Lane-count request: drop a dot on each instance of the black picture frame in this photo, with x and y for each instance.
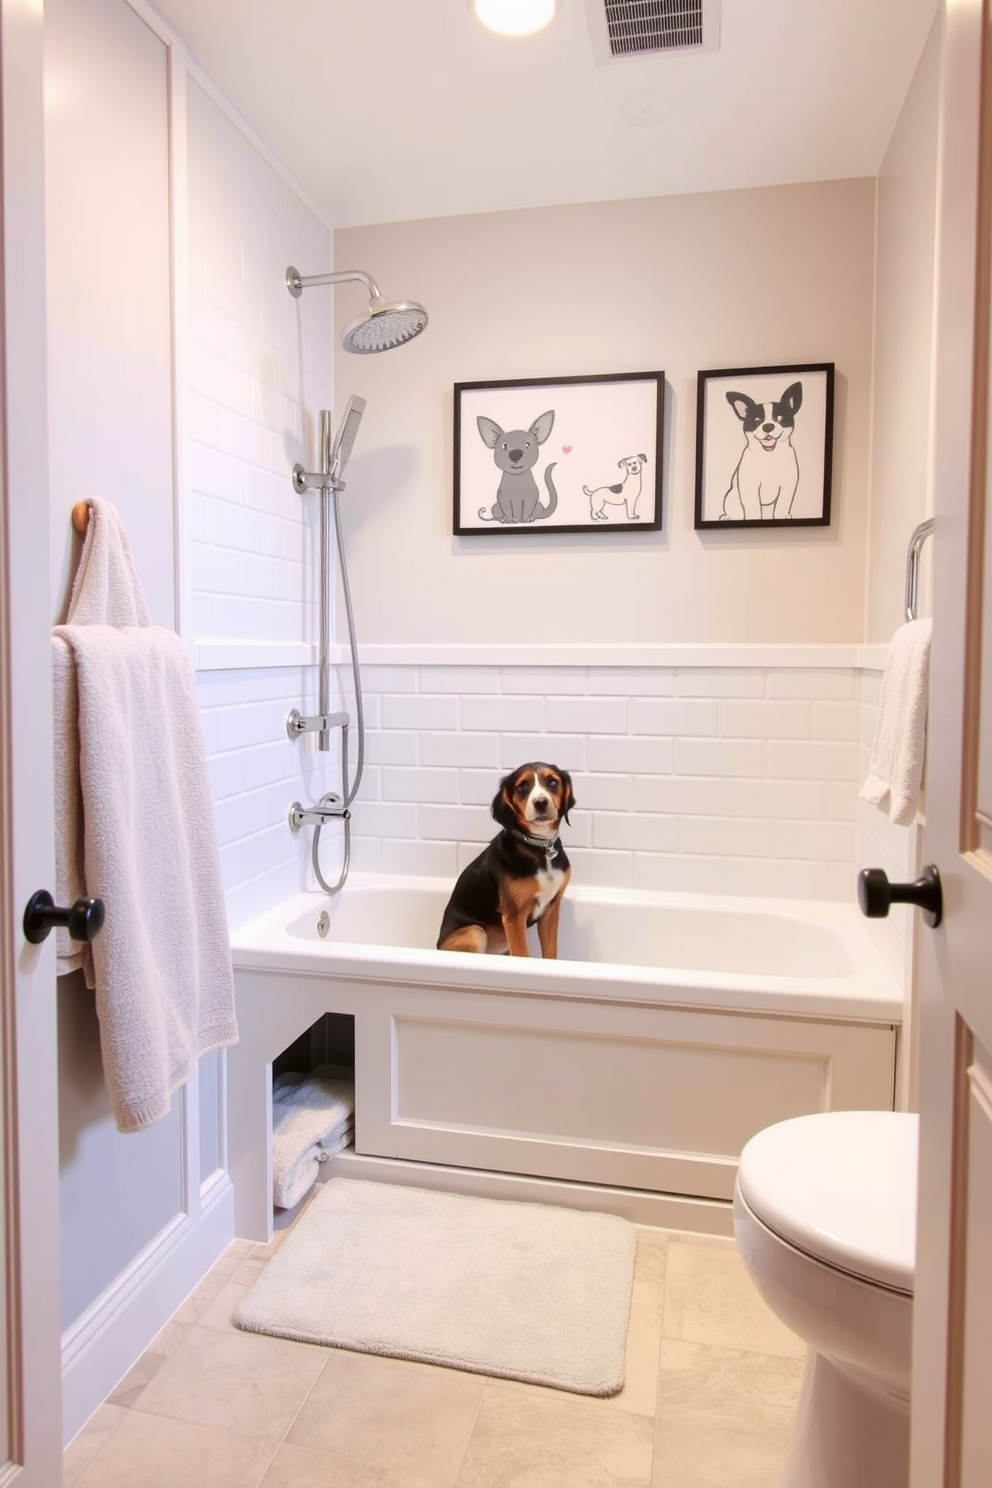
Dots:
(745, 481)
(601, 435)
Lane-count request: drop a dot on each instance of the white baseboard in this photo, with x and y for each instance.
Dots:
(103, 1344)
(666, 1211)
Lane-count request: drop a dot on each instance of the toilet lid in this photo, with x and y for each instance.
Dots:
(840, 1186)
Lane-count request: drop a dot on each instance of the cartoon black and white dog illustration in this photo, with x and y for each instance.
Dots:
(763, 486)
(624, 494)
(516, 452)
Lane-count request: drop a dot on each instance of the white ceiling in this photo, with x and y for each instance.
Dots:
(386, 110)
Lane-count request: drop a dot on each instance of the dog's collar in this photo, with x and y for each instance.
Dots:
(547, 845)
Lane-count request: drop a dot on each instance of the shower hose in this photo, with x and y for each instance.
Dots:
(348, 792)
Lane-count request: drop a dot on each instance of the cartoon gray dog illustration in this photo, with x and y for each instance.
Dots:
(516, 452)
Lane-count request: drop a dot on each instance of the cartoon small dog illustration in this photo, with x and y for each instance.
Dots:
(516, 452)
(625, 494)
(764, 483)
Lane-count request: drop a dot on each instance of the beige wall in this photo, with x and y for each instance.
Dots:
(730, 279)
(109, 327)
(900, 488)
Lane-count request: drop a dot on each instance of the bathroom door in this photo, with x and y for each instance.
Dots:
(30, 1375)
(952, 1358)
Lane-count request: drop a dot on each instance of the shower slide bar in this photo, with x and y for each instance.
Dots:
(334, 455)
(328, 482)
(919, 537)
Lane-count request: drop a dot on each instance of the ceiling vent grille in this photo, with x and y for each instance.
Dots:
(645, 28)
(653, 25)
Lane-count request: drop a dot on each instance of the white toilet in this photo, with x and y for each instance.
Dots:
(825, 1219)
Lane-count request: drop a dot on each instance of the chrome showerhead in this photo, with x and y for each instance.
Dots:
(385, 325)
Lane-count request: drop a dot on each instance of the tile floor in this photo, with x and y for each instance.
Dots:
(712, 1381)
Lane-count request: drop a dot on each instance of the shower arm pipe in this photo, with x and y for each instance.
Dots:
(296, 283)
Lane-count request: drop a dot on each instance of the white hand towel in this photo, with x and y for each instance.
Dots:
(312, 1117)
(895, 773)
(105, 591)
(162, 962)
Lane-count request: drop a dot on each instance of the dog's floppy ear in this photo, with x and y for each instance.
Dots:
(741, 404)
(541, 427)
(644, 458)
(793, 398)
(490, 431)
(501, 809)
(567, 794)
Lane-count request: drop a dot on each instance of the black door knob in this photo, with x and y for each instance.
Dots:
(875, 894)
(83, 920)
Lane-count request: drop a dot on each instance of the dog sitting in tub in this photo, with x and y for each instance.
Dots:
(519, 879)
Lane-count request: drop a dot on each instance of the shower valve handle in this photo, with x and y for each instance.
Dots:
(297, 724)
(328, 808)
(876, 894)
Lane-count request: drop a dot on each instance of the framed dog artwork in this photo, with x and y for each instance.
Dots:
(764, 443)
(566, 454)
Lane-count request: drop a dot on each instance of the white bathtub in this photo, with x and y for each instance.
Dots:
(693, 950)
(628, 1073)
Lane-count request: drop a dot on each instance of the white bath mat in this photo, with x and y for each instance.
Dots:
(516, 1291)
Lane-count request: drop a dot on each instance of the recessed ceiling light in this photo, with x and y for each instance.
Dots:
(515, 17)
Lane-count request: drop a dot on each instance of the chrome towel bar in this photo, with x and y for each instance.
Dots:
(919, 537)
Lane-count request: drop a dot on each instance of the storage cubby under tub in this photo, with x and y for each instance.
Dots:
(625, 1076)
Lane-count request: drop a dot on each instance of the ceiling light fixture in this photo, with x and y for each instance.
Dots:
(515, 17)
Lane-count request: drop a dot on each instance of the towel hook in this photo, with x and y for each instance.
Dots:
(81, 517)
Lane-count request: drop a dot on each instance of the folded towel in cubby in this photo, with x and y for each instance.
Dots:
(300, 1178)
(312, 1118)
(337, 1139)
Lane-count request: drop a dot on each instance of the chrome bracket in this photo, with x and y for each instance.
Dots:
(297, 724)
(314, 480)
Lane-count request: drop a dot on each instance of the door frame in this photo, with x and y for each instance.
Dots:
(29, 1150)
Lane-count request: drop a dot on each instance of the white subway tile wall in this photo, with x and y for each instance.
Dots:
(256, 774)
(672, 808)
(257, 360)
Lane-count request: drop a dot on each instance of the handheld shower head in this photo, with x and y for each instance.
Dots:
(385, 325)
(338, 450)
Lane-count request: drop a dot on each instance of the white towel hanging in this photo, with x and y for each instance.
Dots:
(142, 833)
(895, 773)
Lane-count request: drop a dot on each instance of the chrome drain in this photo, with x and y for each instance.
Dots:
(323, 923)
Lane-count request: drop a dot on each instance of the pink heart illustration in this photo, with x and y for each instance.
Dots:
(566, 449)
